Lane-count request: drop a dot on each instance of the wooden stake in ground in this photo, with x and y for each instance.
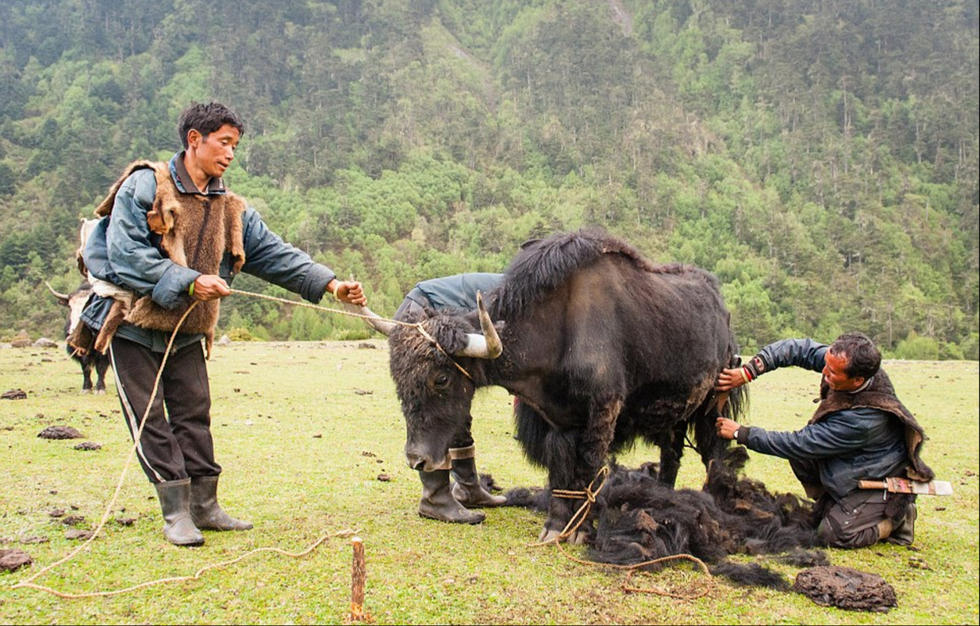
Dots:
(358, 574)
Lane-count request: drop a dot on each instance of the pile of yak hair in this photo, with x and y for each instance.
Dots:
(640, 519)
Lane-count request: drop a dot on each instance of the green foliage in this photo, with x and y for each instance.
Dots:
(238, 333)
(917, 348)
(821, 158)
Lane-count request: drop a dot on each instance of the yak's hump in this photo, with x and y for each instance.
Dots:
(543, 265)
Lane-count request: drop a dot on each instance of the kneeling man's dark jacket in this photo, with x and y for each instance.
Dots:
(864, 434)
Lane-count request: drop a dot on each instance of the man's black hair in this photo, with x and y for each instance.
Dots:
(863, 358)
(207, 118)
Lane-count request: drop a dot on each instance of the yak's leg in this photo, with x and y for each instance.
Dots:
(590, 455)
(671, 452)
(101, 366)
(87, 376)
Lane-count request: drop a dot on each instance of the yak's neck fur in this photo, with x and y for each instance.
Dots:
(544, 265)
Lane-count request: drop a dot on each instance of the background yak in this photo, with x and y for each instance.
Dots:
(600, 346)
(89, 359)
(78, 337)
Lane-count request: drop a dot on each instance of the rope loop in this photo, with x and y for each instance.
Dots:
(28, 583)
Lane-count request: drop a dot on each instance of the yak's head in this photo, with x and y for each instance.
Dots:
(431, 364)
(75, 302)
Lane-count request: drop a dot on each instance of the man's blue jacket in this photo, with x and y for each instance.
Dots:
(122, 250)
(848, 445)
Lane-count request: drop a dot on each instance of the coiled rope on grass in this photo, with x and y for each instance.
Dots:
(29, 581)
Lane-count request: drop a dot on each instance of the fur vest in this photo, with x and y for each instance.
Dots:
(879, 395)
(195, 231)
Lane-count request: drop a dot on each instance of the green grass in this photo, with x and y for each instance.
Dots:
(295, 433)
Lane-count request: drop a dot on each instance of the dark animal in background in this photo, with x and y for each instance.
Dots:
(79, 338)
(88, 358)
(600, 346)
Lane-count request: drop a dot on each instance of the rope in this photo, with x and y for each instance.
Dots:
(309, 305)
(583, 511)
(589, 494)
(176, 579)
(129, 458)
(434, 342)
(28, 582)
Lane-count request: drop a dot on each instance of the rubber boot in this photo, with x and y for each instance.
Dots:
(904, 531)
(175, 500)
(205, 510)
(885, 528)
(438, 502)
(468, 491)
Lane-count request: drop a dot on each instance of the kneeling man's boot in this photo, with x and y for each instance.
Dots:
(468, 490)
(205, 510)
(438, 502)
(904, 531)
(175, 501)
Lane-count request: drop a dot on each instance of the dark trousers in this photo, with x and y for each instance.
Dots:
(852, 521)
(176, 439)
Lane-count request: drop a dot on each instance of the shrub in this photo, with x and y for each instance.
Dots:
(240, 334)
(917, 348)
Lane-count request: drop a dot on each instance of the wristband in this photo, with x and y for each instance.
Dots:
(755, 367)
(190, 290)
(735, 434)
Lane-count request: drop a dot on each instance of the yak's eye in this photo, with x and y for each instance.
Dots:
(441, 381)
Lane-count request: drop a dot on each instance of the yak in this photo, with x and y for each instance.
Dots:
(599, 345)
(79, 339)
(88, 358)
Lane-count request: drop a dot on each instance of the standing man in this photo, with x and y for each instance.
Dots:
(859, 431)
(438, 500)
(173, 235)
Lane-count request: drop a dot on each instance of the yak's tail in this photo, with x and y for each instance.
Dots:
(731, 404)
(737, 405)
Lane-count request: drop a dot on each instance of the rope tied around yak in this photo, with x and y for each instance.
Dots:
(589, 494)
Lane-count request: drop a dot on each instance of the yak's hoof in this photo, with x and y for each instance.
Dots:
(100, 392)
(577, 538)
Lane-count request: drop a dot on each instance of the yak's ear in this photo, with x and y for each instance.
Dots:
(449, 332)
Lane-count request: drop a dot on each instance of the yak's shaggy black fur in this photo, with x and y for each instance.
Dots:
(641, 519)
(602, 347)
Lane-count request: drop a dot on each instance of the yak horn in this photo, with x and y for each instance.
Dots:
(487, 345)
(372, 319)
(60, 296)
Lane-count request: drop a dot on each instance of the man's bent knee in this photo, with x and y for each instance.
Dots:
(835, 535)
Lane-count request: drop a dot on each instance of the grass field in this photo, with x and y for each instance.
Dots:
(303, 431)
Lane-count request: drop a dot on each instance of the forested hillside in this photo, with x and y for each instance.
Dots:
(819, 156)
